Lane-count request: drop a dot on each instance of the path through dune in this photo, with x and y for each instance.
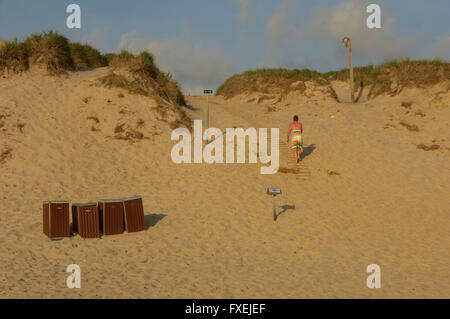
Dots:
(363, 194)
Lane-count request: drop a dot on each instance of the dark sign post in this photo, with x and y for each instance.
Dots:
(274, 192)
(207, 93)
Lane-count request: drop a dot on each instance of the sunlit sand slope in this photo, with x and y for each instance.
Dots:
(371, 189)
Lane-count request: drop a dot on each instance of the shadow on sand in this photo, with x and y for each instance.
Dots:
(307, 150)
(84, 69)
(190, 107)
(360, 92)
(152, 219)
(285, 208)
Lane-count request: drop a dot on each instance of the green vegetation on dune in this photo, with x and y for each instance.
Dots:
(266, 80)
(408, 73)
(13, 56)
(86, 56)
(57, 55)
(138, 74)
(295, 74)
(404, 73)
(51, 50)
(48, 49)
(361, 73)
(119, 81)
(108, 57)
(147, 79)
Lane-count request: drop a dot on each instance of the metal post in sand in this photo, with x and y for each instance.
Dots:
(274, 192)
(207, 92)
(207, 115)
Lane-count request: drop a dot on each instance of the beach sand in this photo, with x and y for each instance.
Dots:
(363, 194)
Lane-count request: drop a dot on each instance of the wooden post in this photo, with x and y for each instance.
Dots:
(348, 44)
(207, 112)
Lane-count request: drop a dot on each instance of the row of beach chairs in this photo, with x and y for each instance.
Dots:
(91, 219)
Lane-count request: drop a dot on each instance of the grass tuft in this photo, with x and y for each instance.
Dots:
(410, 127)
(119, 81)
(428, 148)
(268, 81)
(50, 49)
(5, 155)
(143, 77)
(14, 57)
(86, 56)
(147, 76)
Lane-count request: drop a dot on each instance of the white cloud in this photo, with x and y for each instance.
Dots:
(442, 47)
(349, 19)
(331, 24)
(193, 65)
(132, 41)
(277, 25)
(97, 37)
(246, 8)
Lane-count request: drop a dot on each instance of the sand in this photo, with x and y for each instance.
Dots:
(363, 194)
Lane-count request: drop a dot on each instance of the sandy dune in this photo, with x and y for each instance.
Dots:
(363, 194)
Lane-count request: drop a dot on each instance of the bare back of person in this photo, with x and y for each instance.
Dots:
(295, 126)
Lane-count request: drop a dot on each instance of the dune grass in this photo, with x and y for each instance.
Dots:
(13, 56)
(86, 56)
(404, 73)
(108, 57)
(50, 49)
(147, 78)
(5, 155)
(57, 55)
(119, 81)
(143, 77)
(267, 81)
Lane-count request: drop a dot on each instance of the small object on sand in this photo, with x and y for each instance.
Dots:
(274, 192)
(56, 223)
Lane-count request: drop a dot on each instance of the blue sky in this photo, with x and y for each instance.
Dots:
(201, 42)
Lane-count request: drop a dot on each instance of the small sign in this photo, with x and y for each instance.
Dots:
(274, 191)
(207, 91)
